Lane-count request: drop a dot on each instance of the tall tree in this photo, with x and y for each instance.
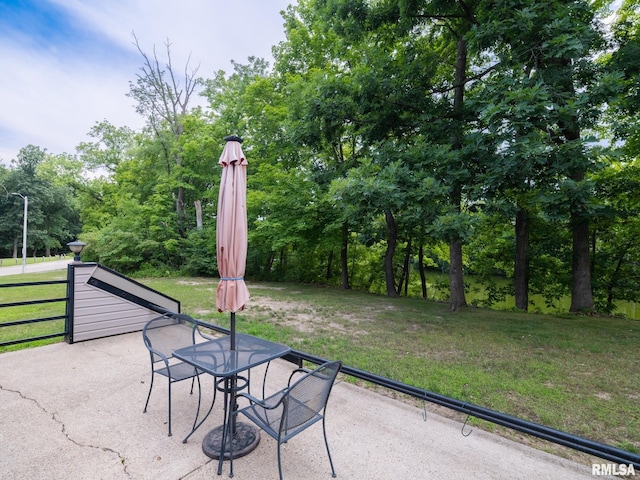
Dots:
(164, 100)
(548, 49)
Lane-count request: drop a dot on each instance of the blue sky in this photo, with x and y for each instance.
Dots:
(67, 64)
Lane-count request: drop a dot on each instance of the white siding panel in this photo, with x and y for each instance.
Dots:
(99, 314)
(133, 288)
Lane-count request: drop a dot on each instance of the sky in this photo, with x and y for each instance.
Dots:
(66, 64)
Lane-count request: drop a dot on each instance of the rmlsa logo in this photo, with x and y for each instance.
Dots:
(612, 469)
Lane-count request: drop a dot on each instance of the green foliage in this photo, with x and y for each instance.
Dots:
(200, 254)
(51, 213)
(616, 234)
(368, 140)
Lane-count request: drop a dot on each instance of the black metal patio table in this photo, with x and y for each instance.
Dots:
(216, 358)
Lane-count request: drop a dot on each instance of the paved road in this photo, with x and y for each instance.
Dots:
(36, 267)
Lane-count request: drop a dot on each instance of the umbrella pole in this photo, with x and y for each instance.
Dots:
(234, 380)
(233, 331)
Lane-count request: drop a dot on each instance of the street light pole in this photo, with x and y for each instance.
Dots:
(24, 230)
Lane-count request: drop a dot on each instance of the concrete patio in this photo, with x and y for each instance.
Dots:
(74, 412)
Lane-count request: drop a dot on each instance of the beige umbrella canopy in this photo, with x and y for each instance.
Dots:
(231, 232)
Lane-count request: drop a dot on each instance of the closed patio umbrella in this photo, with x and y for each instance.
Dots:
(232, 292)
(231, 232)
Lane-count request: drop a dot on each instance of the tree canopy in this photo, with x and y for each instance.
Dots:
(493, 138)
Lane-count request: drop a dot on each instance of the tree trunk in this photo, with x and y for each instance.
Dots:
(392, 240)
(344, 258)
(423, 277)
(198, 205)
(613, 279)
(180, 212)
(283, 261)
(406, 270)
(581, 294)
(521, 267)
(329, 265)
(269, 265)
(456, 279)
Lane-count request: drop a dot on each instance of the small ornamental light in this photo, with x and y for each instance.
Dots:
(76, 247)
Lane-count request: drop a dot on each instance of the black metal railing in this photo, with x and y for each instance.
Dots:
(17, 323)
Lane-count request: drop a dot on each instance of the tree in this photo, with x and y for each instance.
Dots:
(111, 147)
(614, 245)
(547, 49)
(164, 100)
(615, 240)
(52, 216)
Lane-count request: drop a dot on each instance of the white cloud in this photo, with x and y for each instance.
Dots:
(52, 96)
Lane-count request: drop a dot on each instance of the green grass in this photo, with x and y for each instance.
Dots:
(578, 374)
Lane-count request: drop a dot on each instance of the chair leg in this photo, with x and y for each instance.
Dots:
(264, 380)
(149, 394)
(199, 397)
(170, 406)
(196, 425)
(279, 461)
(326, 443)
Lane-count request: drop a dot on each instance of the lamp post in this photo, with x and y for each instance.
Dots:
(76, 247)
(24, 230)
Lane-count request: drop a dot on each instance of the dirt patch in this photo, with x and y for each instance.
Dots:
(198, 313)
(302, 316)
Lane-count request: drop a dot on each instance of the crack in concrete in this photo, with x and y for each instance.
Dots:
(63, 429)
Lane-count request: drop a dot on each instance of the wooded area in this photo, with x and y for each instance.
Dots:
(492, 138)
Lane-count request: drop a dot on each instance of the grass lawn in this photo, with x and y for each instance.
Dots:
(578, 374)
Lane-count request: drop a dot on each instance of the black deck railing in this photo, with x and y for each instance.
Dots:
(35, 320)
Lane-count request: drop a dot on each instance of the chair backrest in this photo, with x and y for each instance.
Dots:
(168, 333)
(307, 397)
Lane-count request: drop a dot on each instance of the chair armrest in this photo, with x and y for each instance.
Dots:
(262, 403)
(159, 353)
(204, 335)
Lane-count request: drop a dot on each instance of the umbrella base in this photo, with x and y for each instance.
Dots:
(245, 441)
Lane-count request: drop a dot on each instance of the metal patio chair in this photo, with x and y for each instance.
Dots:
(290, 411)
(162, 336)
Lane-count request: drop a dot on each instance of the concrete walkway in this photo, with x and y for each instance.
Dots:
(36, 267)
(74, 412)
